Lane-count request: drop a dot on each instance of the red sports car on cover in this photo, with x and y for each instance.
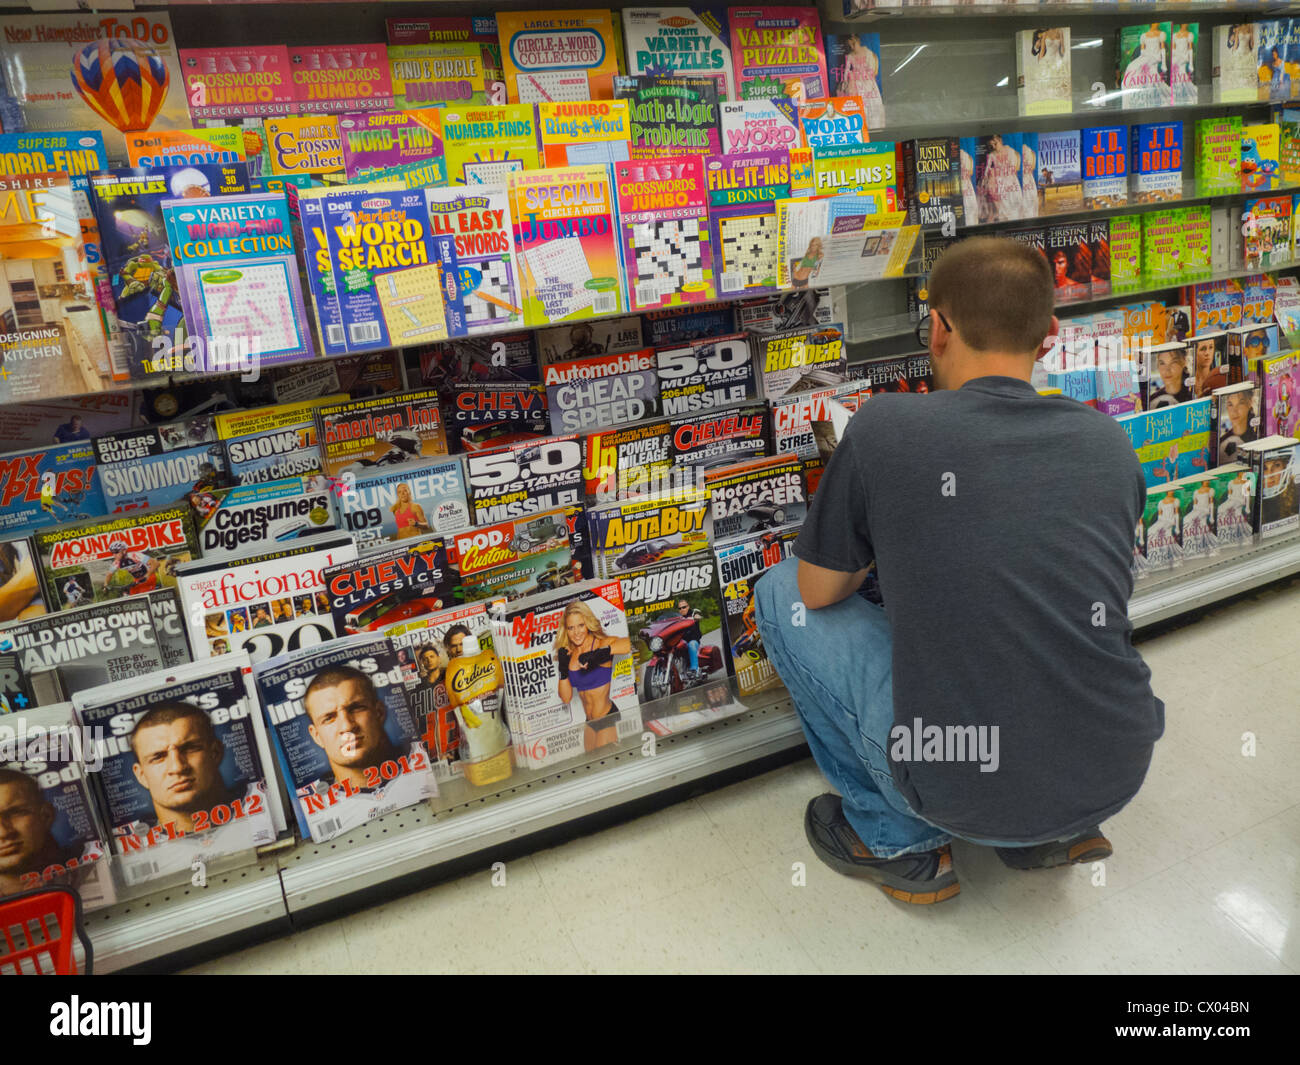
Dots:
(389, 610)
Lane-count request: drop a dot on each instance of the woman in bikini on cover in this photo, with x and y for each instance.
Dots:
(586, 659)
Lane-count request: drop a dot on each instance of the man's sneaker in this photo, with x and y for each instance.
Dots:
(1089, 846)
(922, 878)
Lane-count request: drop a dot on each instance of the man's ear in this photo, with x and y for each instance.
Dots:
(1049, 341)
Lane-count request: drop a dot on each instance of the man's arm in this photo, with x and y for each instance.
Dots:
(821, 587)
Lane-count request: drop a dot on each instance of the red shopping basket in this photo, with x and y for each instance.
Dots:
(37, 929)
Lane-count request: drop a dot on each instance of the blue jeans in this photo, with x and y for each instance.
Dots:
(838, 668)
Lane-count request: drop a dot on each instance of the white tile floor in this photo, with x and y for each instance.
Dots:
(1205, 877)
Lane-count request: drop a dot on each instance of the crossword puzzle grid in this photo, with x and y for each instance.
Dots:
(259, 304)
(412, 304)
(748, 251)
(496, 282)
(668, 254)
(561, 265)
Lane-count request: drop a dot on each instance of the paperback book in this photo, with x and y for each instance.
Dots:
(1043, 71)
(932, 182)
(1142, 65)
(1060, 173)
(853, 65)
(1235, 74)
(1234, 420)
(1104, 167)
(1157, 162)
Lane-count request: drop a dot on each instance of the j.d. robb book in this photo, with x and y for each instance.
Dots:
(265, 603)
(388, 267)
(743, 189)
(742, 562)
(557, 55)
(394, 505)
(232, 803)
(748, 497)
(403, 146)
(477, 218)
(239, 281)
(363, 436)
(334, 79)
(718, 436)
(622, 463)
(664, 222)
(185, 147)
(1104, 151)
(484, 145)
(51, 335)
(268, 443)
(777, 52)
(440, 74)
(1043, 71)
(516, 558)
(1157, 162)
(706, 374)
(338, 778)
(239, 82)
(601, 390)
(584, 132)
(671, 115)
(524, 477)
(679, 40)
(568, 238)
(90, 561)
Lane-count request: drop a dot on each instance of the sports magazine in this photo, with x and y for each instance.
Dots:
(107, 558)
(264, 605)
(650, 529)
(412, 501)
(270, 443)
(349, 746)
(41, 767)
(163, 813)
(750, 497)
(160, 464)
(48, 485)
(250, 518)
(391, 584)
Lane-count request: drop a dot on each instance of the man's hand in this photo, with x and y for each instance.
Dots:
(820, 587)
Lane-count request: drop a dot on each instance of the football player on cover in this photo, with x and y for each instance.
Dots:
(27, 843)
(996, 696)
(178, 762)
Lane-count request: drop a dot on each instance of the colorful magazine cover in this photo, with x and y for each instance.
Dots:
(741, 563)
(269, 443)
(240, 82)
(674, 620)
(756, 495)
(680, 40)
(487, 270)
(794, 417)
(403, 146)
(262, 516)
(41, 771)
(485, 145)
(706, 374)
(334, 79)
(527, 476)
(743, 190)
(799, 360)
(664, 220)
(417, 500)
(758, 125)
(624, 462)
(1280, 382)
(601, 390)
(647, 529)
(717, 437)
(481, 29)
(482, 414)
(670, 115)
(437, 74)
(777, 52)
(154, 150)
(20, 578)
(229, 801)
(159, 464)
(265, 603)
(364, 436)
(557, 55)
(512, 559)
(47, 486)
(853, 64)
(392, 584)
(304, 147)
(97, 72)
(91, 561)
(568, 243)
(584, 132)
(349, 746)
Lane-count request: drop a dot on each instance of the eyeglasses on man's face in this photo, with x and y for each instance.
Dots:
(923, 326)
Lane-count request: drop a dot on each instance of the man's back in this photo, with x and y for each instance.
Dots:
(1001, 523)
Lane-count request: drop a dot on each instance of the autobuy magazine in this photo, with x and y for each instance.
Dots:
(164, 812)
(649, 529)
(350, 749)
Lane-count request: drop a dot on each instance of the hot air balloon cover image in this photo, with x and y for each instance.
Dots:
(115, 75)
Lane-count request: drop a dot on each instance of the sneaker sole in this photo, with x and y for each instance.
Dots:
(893, 886)
(1093, 849)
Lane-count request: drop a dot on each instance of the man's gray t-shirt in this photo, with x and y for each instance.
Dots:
(1001, 523)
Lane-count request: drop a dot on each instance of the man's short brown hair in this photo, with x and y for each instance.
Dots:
(997, 293)
(170, 710)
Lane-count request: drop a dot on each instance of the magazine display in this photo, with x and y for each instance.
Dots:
(349, 746)
(483, 414)
(66, 846)
(60, 654)
(799, 360)
(601, 390)
(751, 497)
(264, 604)
(271, 443)
(162, 813)
(629, 461)
(741, 563)
(516, 558)
(568, 671)
(91, 561)
(391, 584)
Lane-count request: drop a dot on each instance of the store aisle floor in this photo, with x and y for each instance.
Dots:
(1205, 877)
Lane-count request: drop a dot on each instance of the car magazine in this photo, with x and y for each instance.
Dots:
(650, 529)
(515, 558)
(392, 583)
(754, 496)
(522, 478)
(741, 562)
